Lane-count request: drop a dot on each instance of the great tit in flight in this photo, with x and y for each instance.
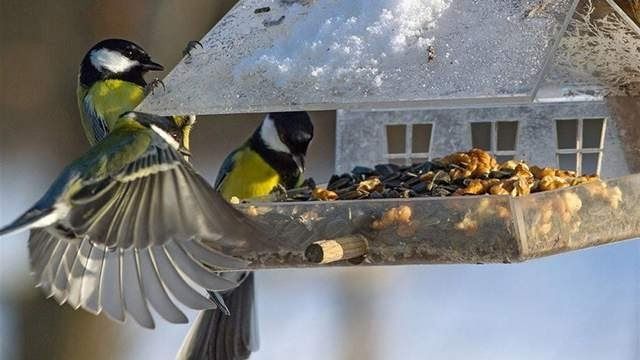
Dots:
(130, 222)
(110, 83)
(272, 157)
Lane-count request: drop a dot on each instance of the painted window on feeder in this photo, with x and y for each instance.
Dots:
(580, 144)
(498, 137)
(408, 144)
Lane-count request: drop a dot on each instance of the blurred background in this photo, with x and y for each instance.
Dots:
(585, 305)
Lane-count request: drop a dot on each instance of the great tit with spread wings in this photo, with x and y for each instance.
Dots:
(272, 157)
(110, 83)
(131, 222)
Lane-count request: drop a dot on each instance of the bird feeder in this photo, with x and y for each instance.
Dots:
(288, 55)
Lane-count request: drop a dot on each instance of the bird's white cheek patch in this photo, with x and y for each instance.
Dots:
(269, 135)
(112, 61)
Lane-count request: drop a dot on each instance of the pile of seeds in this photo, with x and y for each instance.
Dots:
(474, 172)
(550, 221)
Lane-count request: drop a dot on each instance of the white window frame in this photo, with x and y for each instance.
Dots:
(408, 143)
(578, 151)
(494, 137)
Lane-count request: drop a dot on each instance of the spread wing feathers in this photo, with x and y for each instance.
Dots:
(139, 237)
(158, 198)
(122, 281)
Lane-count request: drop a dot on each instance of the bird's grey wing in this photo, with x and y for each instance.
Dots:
(154, 232)
(159, 198)
(225, 168)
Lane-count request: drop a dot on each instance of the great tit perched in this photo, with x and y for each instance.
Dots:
(131, 222)
(272, 157)
(110, 83)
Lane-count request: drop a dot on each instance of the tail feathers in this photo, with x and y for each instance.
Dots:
(216, 336)
(33, 218)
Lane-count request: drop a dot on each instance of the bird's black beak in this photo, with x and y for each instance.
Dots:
(299, 160)
(152, 66)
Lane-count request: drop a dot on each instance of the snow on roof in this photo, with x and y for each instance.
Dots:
(349, 44)
(326, 54)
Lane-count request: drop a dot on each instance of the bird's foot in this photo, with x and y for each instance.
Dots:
(185, 152)
(65, 232)
(191, 45)
(151, 87)
(279, 193)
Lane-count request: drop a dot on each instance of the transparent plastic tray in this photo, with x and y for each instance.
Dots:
(601, 214)
(465, 229)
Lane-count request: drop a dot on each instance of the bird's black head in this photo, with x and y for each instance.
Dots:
(282, 140)
(289, 132)
(116, 59)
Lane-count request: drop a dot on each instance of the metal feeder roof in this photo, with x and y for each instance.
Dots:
(324, 54)
(284, 55)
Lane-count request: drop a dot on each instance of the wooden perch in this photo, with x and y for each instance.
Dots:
(343, 248)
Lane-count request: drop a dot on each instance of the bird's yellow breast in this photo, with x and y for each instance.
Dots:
(111, 98)
(250, 176)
